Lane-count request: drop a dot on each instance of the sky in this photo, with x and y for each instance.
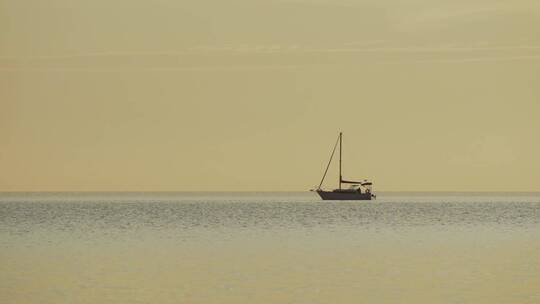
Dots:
(250, 95)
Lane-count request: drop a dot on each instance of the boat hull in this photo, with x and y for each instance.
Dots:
(344, 196)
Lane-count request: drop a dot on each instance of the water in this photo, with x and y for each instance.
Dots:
(269, 248)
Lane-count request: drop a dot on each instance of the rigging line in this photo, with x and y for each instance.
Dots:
(328, 166)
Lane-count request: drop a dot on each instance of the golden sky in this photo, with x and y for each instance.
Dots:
(251, 94)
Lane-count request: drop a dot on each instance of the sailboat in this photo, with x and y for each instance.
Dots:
(356, 191)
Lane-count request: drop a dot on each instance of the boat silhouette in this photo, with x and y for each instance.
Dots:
(357, 190)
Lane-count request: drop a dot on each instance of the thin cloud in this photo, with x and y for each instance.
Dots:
(464, 60)
(21, 63)
(285, 49)
(158, 69)
(265, 67)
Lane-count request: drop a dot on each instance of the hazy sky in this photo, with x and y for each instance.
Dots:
(251, 94)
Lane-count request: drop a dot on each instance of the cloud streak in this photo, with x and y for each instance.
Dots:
(267, 57)
(264, 67)
(264, 49)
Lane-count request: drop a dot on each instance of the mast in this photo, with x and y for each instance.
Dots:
(340, 140)
(328, 165)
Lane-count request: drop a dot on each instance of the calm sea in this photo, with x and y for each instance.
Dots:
(269, 248)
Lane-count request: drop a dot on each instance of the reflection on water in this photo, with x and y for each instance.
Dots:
(269, 248)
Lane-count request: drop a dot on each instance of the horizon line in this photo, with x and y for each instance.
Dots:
(258, 191)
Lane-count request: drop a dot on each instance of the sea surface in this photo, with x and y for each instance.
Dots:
(269, 248)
